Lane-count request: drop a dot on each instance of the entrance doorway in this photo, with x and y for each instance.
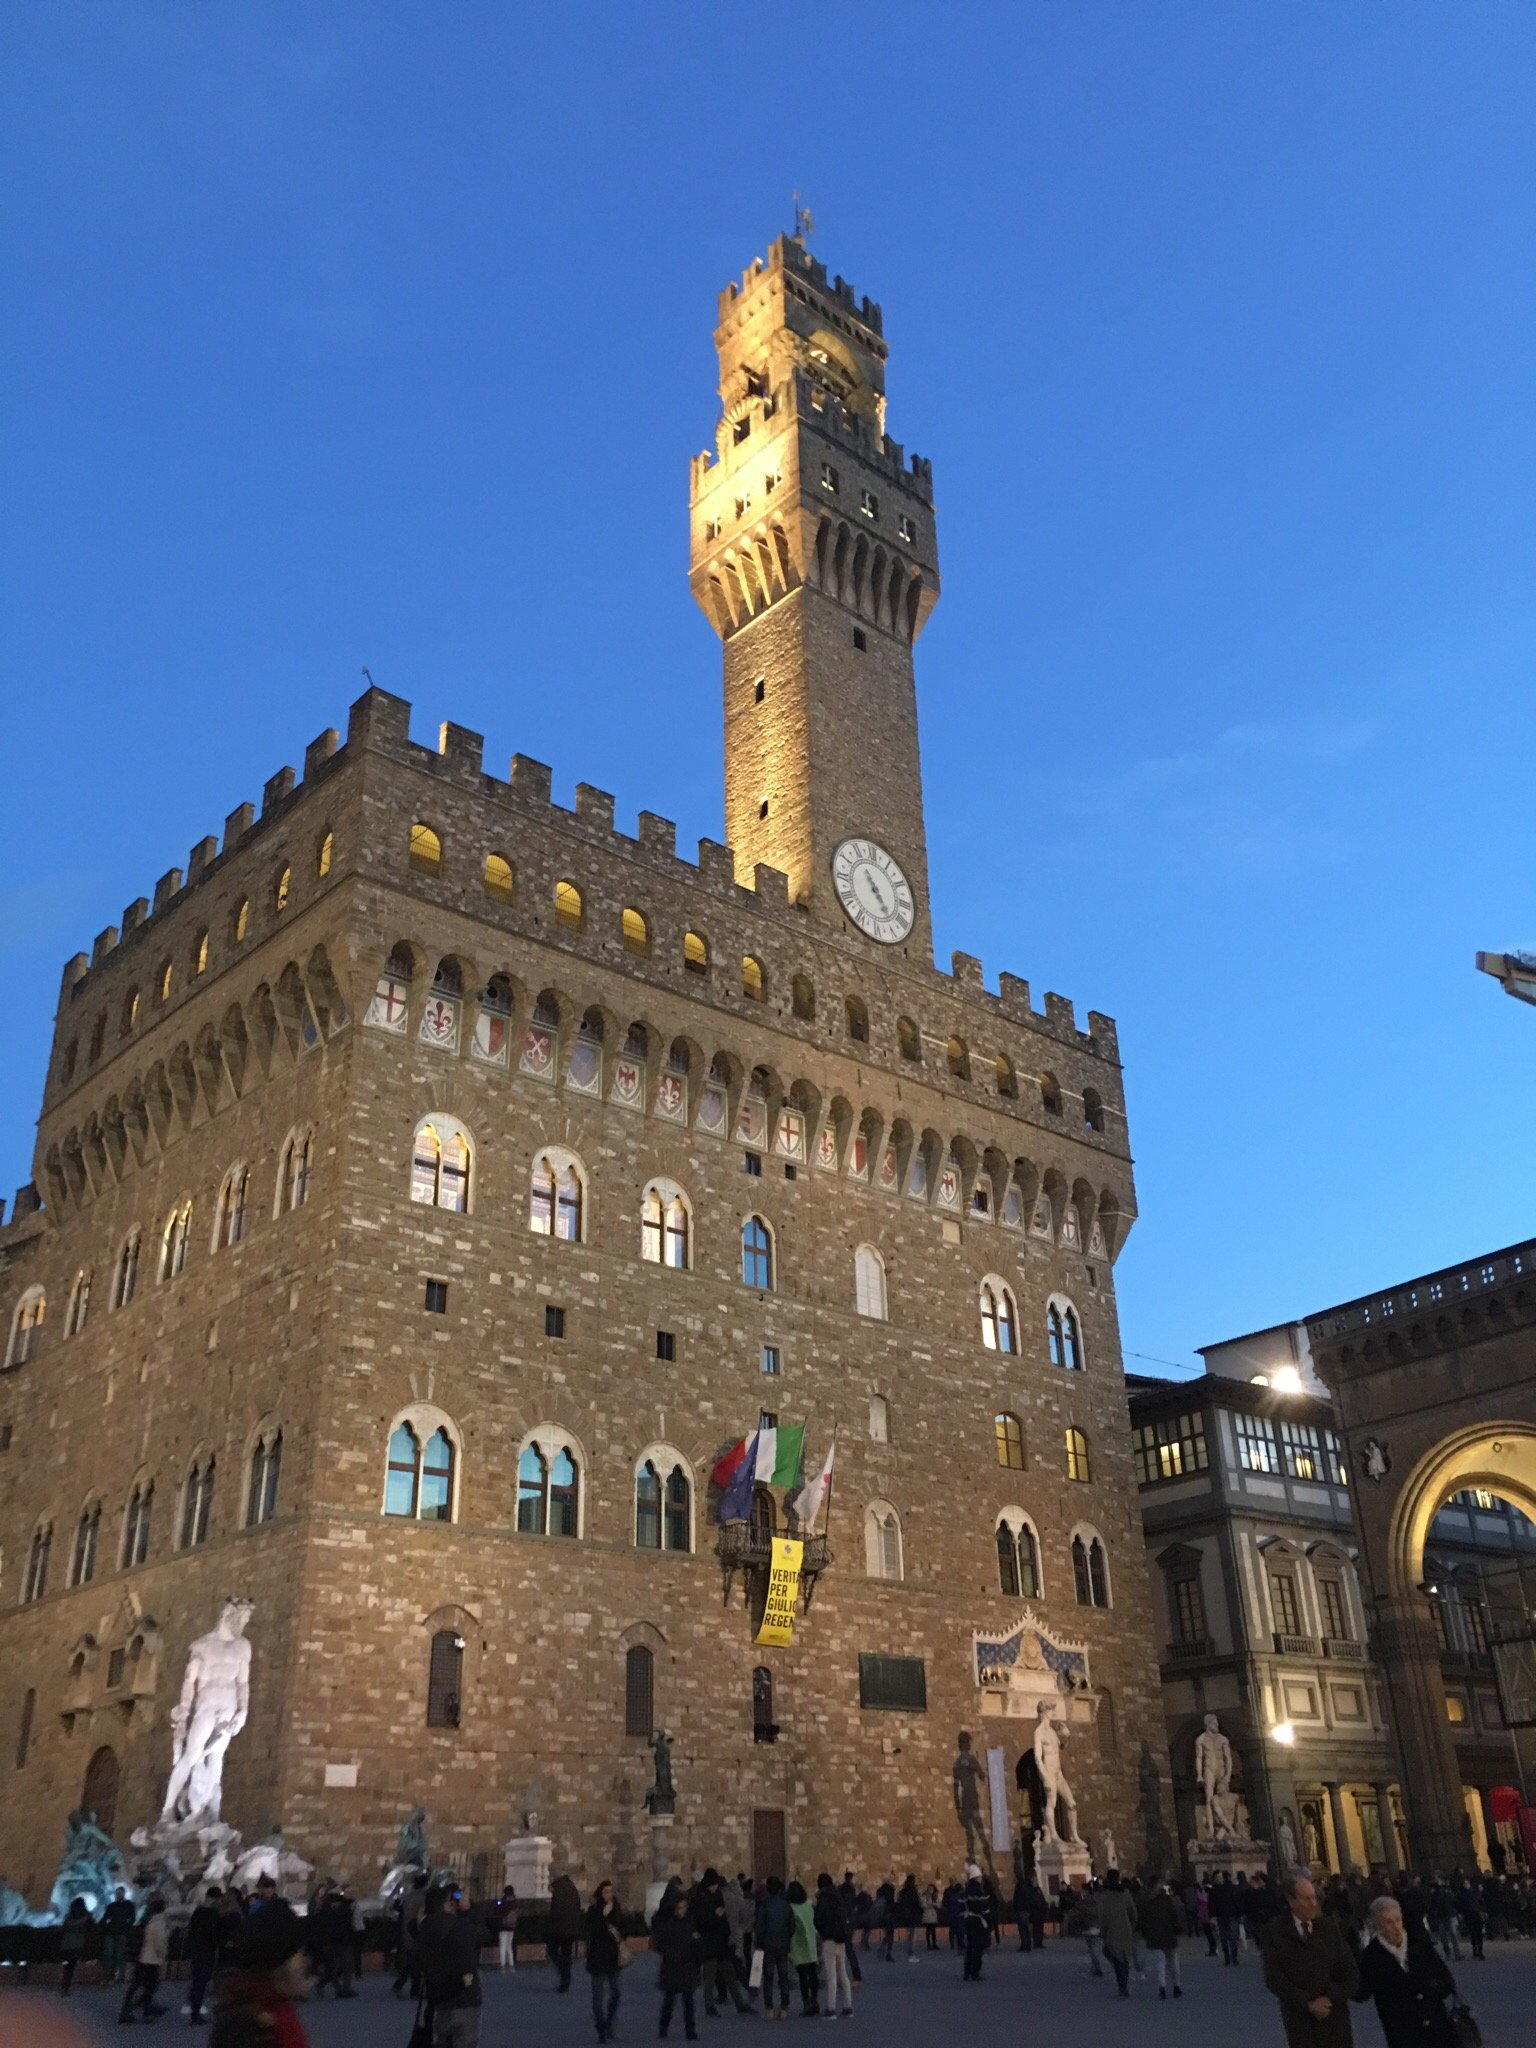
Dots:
(770, 1852)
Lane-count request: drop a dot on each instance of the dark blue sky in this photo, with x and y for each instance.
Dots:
(380, 334)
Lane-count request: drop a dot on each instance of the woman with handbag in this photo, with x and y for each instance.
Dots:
(1402, 1970)
(607, 1954)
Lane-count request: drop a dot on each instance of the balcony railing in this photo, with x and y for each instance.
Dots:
(739, 1547)
(1190, 1650)
(1295, 1646)
(1343, 1649)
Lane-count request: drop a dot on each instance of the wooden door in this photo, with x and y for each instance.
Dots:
(770, 1854)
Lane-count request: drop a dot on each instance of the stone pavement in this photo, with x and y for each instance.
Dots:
(1047, 1999)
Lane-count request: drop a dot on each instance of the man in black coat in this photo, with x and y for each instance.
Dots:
(1401, 1969)
(449, 1950)
(1310, 1968)
(203, 1940)
(567, 1924)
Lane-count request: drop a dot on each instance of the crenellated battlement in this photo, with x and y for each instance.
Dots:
(789, 253)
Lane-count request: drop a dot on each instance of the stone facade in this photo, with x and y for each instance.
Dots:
(845, 1092)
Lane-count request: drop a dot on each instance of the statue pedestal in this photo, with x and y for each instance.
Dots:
(1236, 1855)
(525, 1865)
(1061, 1863)
(661, 1860)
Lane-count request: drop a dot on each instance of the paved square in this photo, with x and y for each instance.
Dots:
(1048, 1999)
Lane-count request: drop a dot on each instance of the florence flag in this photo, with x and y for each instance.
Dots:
(809, 1501)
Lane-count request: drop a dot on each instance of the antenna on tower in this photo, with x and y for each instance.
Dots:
(805, 220)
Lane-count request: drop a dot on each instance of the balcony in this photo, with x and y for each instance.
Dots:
(1343, 1651)
(1294, 1646)
(742, 1547)
(1465, 1663)
(1191, 1650)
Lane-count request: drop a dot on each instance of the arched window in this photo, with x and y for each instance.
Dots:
(229, 1219)
(869, 1282)
(879, 1419)
(639, 1690)
(421, 1469)
(281, 888)
(1007, 1079)
(1063, 1336)
(665, 1225)
(98, 1038)
(1093, 1110)
(548, 1486)
(323, 854)
(136, 1522)
(753, 986)
(909, 1040)
(167, 981)
(426, 850)
(293, 1179)
(570, 913)
(1009, 1433)
(802, 998)
(441, 1158)
(35, 1582)
(882, 1541)
(1090, 1574)
(82, 1565)
(240, 922)
(558, 1200)
(499, 881)
(130, 1012)
(1050, 1095)
(445, 1679)
(1077, 1455)
(200, 954)
(663, 1503)
(637, 932)
(695, 953)
(763, 1521)
(958, 1059)
(197, 1503)
(174, 1240)
(265, 1470)
(79, 1303)
(125, 1276)
(764, 1727)
(26, 1327)
(999, 1317)
(1018, 1556)
(856, 1017)
(757, 1253)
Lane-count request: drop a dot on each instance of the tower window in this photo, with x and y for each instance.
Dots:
(425, 850)
(760, 690)
(695, 953)
(742, 428)
(499, 882)
(666, 1346)
(771, 1361)
(554, 1321)
(869, 504)
(859, 640)
(906, 528)
(829, 478)
(752, 983)
(753, 1164)
(857, 1020)
(637, 932)
(437, 1298)
(762, 809)
(568, 907)
(713, 528)
(908, 1039)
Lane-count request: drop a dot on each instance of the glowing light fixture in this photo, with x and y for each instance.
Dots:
(1287, 1380)
(1284, 1733)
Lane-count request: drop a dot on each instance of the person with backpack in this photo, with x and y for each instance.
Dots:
(773, 1931)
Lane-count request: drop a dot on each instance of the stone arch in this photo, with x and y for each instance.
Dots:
(1500, 1456)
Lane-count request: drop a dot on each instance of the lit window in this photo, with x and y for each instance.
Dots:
(568, 906)
(1299, 1442)
(1077, 1455)
(752, 978)
(829, 479)
(957, 1059)
(173, 1242)
(499, 881)
(125, 1279)
(756, 1253)
(200, 954)
(637, 932)
(426, 850)
(26, 1327)
(440, 1165)
(906, 528)
(869, 505)
(1256, 1448)
(229, 1221)
(558, 1197)
(323, 855)
(281, 887)
(664, 1226)
(869, 1282)
(1455, 1709)
(1170, 1449)
(999, 1317)
(167, 979)
(695, 953)
(240, 923)
(265, 1471)
(1008, 1432)
(79, 1303)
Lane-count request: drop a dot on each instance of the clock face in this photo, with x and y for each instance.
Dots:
(872, 889)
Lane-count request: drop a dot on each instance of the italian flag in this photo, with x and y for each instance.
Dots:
(779, 1454)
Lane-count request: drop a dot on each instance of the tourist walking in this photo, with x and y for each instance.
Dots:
(1410, 1983)
(153, 1942)
(506, 1929)
(1310, 1968)
(448, 1947)
(676, 1942)
(909, 1912)
(716, 1946)
(1162, 1922)
(73, 1936)
(856, 1909)
(265, 1971)
(117, 1924)
(607, 1953)
(203, 1940)
(976, 1922)
(1118, 1927)
(1227, 1912)
(1469, 1904)
(832, 1933)
(773, 1931)
(930, 1916)
(804, 1948)
(567, 1922)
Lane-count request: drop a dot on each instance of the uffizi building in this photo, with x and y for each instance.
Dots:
(432, 1182)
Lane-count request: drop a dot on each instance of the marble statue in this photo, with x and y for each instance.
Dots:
(411, 1844)
(93, 1865)
(1289, 1856)
(967, 1777)
(14, 1910)
(215, 1700)
(1049, 1736)
(1111, 1854)
(289, 1872)
(1213, 1767)
(662, 1797)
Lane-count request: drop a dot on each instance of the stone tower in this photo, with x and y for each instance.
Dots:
(814, 558)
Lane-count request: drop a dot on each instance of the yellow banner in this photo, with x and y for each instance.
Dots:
(778, 1623)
